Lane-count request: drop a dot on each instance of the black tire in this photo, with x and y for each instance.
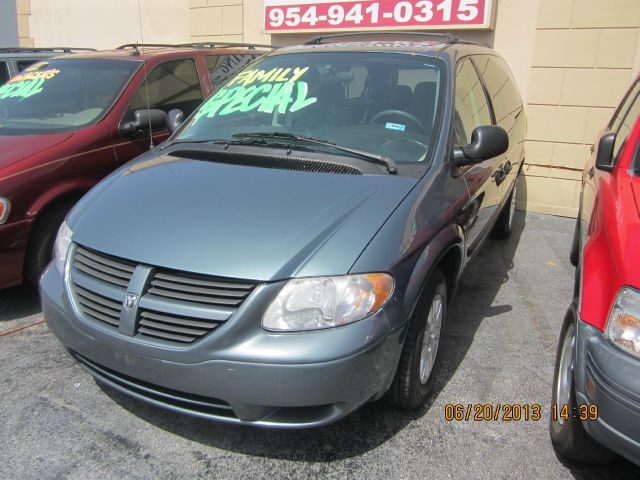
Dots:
(43, 235)
(504, 224)
(570, 439)
(407, 391)
(574, 255)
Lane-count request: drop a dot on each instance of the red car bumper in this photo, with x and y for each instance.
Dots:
(13, 244)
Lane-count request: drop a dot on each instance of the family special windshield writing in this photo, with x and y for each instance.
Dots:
(278, 89)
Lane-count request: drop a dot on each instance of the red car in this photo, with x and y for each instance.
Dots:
(595, 411)
(66, 122)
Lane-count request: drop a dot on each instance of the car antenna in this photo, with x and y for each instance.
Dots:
(146, 84)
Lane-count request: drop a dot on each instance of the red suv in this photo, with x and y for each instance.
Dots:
(66, 122)
(596, 396)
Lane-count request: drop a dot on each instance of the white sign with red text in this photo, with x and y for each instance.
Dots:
(293, 16)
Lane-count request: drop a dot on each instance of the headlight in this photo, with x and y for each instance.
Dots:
(61, 247)
(5, 206)
(623, 327)
(325, 302)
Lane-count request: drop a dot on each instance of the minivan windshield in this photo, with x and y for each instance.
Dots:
(383, 103)
(61, 94)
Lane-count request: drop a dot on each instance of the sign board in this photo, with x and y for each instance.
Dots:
(295, 16)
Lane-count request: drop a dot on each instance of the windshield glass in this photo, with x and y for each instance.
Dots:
(61, 95)
(384, 103)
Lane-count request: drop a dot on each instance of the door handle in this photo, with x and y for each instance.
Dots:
(591, 172)
(507, 167)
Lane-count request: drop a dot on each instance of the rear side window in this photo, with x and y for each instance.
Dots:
(471, 107)
(502, 89)
(4, 72)
(170, 85)
(22, 64)
(626, 125)
(223, 67)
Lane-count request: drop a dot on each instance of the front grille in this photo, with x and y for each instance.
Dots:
(173, 306)
(99, 307)
(171, 327)
(199, 289)
(103, 267)
(198, 404)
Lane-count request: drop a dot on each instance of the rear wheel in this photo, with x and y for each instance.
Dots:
(415, 375)
(43, 235)
(568, 436)
(504, 224)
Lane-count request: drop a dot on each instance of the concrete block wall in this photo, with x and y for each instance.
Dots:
(584, 57)
(216, 20)
(24, 10)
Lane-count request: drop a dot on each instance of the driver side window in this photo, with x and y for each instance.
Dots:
(471, 106)
(173, 84)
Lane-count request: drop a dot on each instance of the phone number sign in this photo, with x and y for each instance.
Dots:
(293, 16)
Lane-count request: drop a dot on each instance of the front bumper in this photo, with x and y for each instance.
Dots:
(239, 373)
(13, 244)
(616, 377)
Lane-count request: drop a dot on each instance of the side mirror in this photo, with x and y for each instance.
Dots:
(604, 157)
(175, 118)
(487, 142)
(143, 120)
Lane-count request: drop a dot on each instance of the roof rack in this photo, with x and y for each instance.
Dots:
(44, 49)
(319, 40)
(136, 46)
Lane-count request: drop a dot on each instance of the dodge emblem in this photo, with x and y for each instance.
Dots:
(130, 300)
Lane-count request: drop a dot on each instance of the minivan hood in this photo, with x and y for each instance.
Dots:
(236, 221)
(14, 148)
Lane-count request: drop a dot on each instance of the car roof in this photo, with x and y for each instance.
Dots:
(28, 55)
(35, 52)
(434, 48)
(143, 52)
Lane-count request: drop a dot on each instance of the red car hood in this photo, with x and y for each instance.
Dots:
(14, 148)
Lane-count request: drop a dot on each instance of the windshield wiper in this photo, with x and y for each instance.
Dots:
(247, 141)
(382, 160)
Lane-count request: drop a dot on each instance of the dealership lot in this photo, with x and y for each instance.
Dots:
(499, 348)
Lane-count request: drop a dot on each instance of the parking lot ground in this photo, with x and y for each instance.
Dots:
(498, 348)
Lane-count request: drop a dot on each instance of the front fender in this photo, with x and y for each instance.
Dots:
(448, 238)
(76, 187)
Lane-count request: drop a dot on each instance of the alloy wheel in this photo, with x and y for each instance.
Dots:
(431, 338)
(564, 383)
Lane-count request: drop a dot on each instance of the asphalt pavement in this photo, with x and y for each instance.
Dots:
(498, 348)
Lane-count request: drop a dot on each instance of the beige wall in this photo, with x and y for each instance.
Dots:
(216, 20)
(584, 58)
(107, 24)
(23, 11)
(572, 59)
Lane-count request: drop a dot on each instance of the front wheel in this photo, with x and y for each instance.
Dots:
(568, 436)
(415, 375)
(43, 235)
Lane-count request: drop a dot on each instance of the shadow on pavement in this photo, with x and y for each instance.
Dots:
(374, 423)
(18, 302)
(620, 469)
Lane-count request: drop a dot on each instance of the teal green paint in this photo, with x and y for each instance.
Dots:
(266, 98)
(22, 90)
(301, 98)
(279, 98)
